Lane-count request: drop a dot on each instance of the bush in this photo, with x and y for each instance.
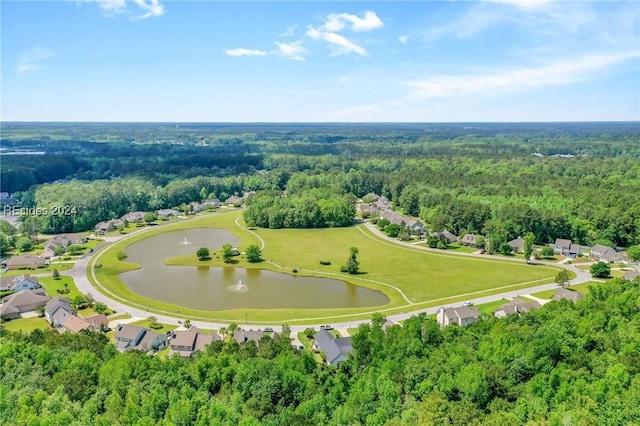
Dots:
(295, 271)
(325, 262)
(121, 255)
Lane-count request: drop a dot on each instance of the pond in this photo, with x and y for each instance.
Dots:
(214, 288)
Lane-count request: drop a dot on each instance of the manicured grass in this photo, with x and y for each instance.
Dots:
(87, 312)
(26, 324)
(427, 278)
(120, 317)
(52, 286)
(489, 308)
(146, 323)
(45, 270)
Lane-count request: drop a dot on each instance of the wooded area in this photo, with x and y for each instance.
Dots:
(566, 362)
(556, 180)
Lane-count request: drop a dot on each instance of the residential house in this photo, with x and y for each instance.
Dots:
(19, 282)
(187, 342)
(234, 201)
(605, 254)
(631, 275)
(23, 301)
(108, 225)
(564, 293)
(517, 245)
(131, 337)
(382, 203)
(336, 349)
(445, 236)
(243, 336)
(212, 204)
(196, 207)
(469, 240)
(561, 246)
(57, 310)
(63, 241)
(575, 250)
(392, 217)
(462, 316)
(25, 262)
(415, 226)
(516, 306)
(166, 213)
(76, 324)
(133, 217)
(372, 197)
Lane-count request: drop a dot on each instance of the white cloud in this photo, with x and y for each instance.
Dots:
(339, 44)
(337, 21)
(33, 60)
(245, 52)
(293, 50)
(518, 79)
(524, 4)
(289, 32)
(150, 8)
(403, 39)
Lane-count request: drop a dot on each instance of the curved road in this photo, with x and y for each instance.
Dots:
(78, 273)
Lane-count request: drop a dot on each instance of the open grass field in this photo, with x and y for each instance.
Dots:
(62, 266)
(146, 323)
(412, 278)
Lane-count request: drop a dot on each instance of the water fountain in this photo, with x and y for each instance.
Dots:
(238, 288)
(185, 242)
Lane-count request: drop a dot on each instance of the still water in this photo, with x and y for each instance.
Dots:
(210, 288)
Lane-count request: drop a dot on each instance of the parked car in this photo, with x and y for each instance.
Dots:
(467, 304)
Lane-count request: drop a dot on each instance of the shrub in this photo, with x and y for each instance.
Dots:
(325, 262)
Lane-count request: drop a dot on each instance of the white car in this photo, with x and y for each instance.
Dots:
(467, 304)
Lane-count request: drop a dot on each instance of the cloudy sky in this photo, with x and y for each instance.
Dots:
(418, 61)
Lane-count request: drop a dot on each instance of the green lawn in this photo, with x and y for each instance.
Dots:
(426, 278)
(47, 269)
(489, 308)
(120, 317)
(52, 286)
(26, 324)
(146, 323)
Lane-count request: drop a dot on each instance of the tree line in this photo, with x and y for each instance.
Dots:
(563, 362)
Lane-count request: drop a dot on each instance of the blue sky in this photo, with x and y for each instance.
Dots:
(424, 61)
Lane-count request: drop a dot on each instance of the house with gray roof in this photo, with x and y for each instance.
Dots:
(605, 254)
(461, 316)
(57, 310)
(561, 246)
(517, 245)
(108, 225)
(336, 349)
(19, 282)
(165, 213)
(445, 235)
(25, 262)
(131, 337)
(565, 293)
(133, 217)
(469, 240)
(243, 336)
(516, 306)
(14, 305)
(187, 342)
(212, 204)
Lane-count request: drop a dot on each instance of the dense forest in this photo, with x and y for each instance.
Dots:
(556, 180)
(563, 364)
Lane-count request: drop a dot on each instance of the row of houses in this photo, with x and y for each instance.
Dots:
(184, 343)
(379, 206)
(61, 242)
(465, 315)
(61, 316)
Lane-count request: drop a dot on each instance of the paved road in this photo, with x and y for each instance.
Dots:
(83, 284)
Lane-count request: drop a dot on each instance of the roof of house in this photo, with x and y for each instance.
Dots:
(331, 346)
(97, 320)
(242, 336)
(9, 283)
(630, 275)
(563, 293)
(27, 297)
(149, 338)
(563, 243)
(26, 259)
(518, 305)
(6, 309)
(75, 324)
(128, 332)
(57, 302)
(185, 337)
(373, 196)
(168, 212)
(517, 244)
(137, 216)
(469, 238)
